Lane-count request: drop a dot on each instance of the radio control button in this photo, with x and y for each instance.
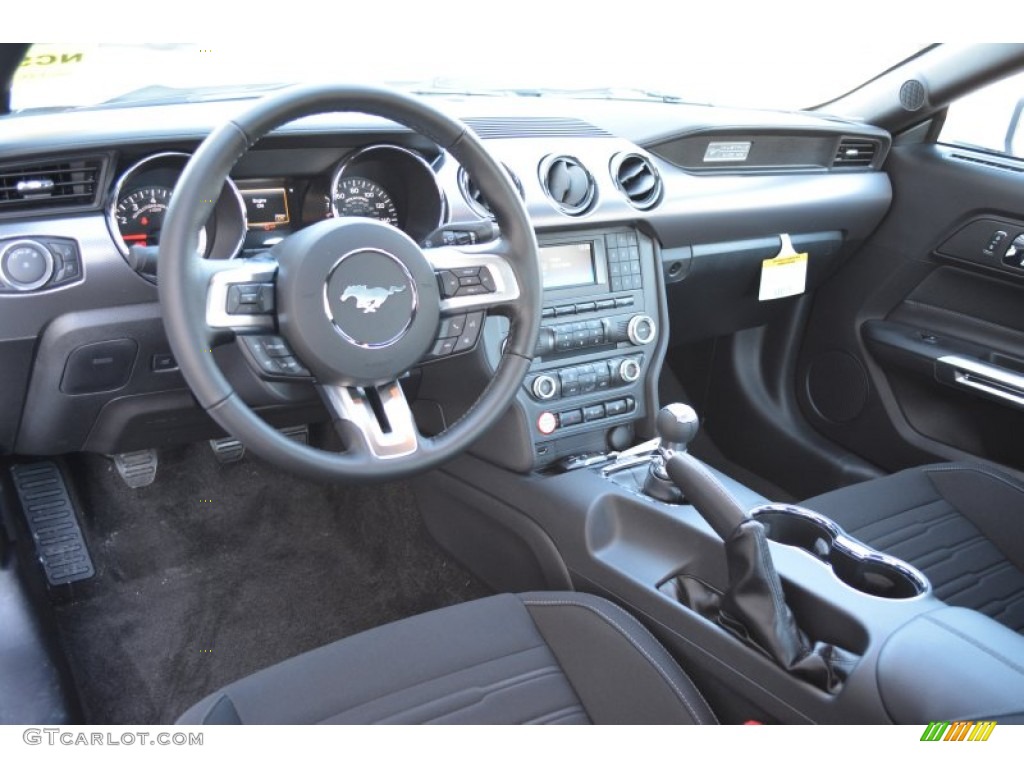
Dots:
(570, 418)
(641, 329)
(629, 370)
(544, 387)
(615, 408)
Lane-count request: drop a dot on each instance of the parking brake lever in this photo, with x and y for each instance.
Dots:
(753, 604)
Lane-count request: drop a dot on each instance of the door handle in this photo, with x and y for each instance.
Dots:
(982, 378)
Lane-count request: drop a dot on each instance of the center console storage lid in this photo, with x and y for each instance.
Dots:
(953, 664)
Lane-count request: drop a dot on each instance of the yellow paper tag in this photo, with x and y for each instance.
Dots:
(785, 275)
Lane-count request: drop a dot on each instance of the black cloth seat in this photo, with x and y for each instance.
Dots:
(545, 657)
(962, 525)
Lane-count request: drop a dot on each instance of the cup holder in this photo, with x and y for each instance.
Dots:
(853, 563)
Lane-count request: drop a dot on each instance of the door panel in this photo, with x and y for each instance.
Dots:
(915, 351)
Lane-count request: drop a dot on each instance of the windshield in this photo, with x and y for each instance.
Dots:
(748, 75)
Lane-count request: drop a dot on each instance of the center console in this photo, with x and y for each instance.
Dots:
(600, 343)
(777, 614)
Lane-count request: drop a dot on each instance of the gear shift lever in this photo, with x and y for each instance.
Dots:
(677, 426)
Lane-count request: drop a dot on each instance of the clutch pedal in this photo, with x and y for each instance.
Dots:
(229, 450)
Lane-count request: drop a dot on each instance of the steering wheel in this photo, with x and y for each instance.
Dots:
(348, 303)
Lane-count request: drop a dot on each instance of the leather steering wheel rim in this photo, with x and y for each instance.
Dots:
(184, 279)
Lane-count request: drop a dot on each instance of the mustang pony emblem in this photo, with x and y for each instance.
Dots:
(369, 299)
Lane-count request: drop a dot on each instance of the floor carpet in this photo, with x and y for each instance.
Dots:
(216, 571)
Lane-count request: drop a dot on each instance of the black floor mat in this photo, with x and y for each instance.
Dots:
(216, 571)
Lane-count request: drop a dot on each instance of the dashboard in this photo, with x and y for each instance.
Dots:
(653, 220)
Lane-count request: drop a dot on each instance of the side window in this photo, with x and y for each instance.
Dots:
(989, 119)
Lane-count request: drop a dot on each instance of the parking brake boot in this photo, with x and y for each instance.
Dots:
(753, 605)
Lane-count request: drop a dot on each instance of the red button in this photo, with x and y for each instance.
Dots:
(547, 423)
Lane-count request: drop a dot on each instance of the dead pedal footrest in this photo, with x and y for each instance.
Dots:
(52, 520)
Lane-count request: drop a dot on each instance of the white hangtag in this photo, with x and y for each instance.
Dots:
(785, 275)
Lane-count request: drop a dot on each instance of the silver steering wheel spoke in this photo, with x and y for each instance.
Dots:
(380, 417)
(240, 295)
(474, 277)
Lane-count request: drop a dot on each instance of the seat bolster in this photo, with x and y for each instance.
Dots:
(477, 662)
(620, 672)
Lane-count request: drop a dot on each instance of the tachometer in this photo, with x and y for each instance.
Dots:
(357, 196)
(140, 217)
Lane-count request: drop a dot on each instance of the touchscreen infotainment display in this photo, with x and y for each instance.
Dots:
(568, 264)
(266, 208)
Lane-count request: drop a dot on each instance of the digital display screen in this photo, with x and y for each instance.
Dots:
(569, 264)
(266, 209)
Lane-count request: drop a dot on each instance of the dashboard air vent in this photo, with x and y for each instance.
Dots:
(855, 153)
(568, 183)
(524, 127)
(1006, 165)
(47, 185)
(474, 197)
(638, 179)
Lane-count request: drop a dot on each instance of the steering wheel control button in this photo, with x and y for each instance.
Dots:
(547, 423)
(449, 283)
(291, 366)
(487, 280)
(452, 326)
(443, 348)
(26, 265)
(471, 332)
(273, 356)
(250, 299)
(371, 298)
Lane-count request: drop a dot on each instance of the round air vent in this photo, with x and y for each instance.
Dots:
(569, 185)
(475, 199)
(637, 178)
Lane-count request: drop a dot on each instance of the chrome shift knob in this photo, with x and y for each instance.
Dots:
(677, 425)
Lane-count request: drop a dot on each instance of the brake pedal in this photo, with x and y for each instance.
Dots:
(53, 521)
(138, 468)
(227, 450)
(299, 434)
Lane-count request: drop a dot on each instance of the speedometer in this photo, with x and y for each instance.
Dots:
(358, 196)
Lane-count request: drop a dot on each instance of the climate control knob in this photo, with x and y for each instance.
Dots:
(629, 370)
(544, 387)
(641, 330)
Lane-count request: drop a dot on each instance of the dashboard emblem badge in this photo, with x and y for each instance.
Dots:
(369, 299)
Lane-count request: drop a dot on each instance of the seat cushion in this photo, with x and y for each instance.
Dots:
(546, 657)
(962, 525)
